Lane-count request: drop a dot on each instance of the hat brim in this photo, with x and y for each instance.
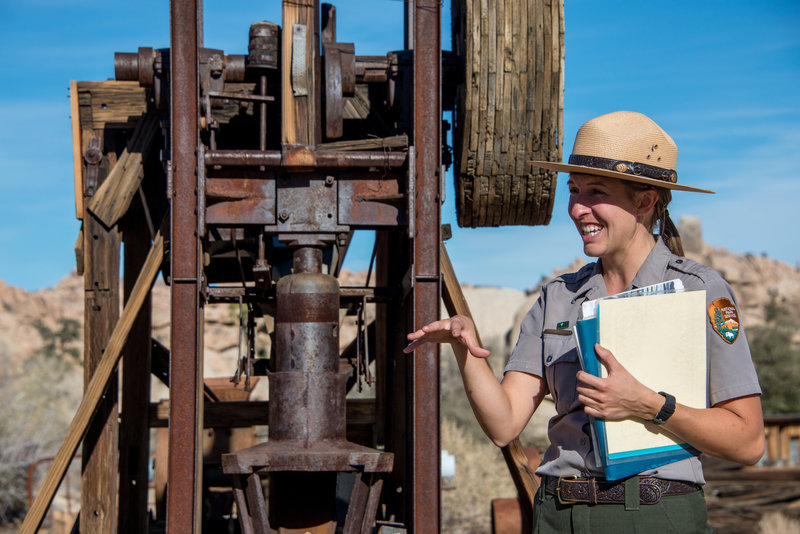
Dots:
(566, 167)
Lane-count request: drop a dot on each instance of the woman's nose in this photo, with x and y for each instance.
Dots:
(577, 208)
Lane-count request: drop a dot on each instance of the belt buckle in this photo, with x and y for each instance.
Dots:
(558, 489)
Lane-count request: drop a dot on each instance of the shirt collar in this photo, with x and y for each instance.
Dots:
(651, 272)
(654, 266)
(594, 287)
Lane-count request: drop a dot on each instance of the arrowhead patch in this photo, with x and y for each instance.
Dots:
(725, 319)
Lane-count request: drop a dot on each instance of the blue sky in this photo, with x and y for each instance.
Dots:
(721, 77)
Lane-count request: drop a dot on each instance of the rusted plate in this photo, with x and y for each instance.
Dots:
(371, 202)
(245, 200)
(292, 455)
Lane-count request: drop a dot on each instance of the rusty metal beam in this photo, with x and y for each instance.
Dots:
(310, 159)
(425, 500)
(183, 494)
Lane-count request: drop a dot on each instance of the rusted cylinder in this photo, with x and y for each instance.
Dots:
(307, 407)
(263, 46)
(308, 260)
(306, 391)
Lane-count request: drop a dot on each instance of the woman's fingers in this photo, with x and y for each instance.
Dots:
(455, 329)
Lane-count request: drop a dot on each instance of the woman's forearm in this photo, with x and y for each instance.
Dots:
(502, 409)
(733, 430)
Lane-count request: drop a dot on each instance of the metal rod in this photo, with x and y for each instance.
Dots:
(274, 158)
(185, 408)
(241, 96)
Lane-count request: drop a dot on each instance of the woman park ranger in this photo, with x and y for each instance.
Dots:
(621, 178)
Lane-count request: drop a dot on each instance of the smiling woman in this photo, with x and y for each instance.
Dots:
(622, 171)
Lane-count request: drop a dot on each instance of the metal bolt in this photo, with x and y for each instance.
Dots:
(329, 180)
(283, 216)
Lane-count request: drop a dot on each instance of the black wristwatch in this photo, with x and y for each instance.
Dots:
(666, 411)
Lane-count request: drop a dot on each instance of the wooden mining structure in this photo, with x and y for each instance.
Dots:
(241, 179)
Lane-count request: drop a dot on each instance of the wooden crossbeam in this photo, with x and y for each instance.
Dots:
(94, 391)
(113, 197)
(513, 453)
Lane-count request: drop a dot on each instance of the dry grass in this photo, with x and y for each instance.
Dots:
(481, 475)
(777, 523)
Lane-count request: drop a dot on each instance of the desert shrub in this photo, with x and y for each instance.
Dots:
(481, 475)
(35, 409)
(777, 357)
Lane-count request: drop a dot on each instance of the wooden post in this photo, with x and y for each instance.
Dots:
(101, 311)
(298, 74)
(134, 427)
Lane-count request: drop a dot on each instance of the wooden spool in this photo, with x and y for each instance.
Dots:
(509, 109)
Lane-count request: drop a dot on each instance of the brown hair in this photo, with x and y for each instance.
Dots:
(667, 230)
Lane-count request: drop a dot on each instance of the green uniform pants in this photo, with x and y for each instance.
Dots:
(678, 514)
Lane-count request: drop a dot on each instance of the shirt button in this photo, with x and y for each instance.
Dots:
(678, 261)
(549, 359)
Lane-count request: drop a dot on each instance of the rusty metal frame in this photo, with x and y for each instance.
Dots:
(185, 420)
(423, 512)
(425, 468)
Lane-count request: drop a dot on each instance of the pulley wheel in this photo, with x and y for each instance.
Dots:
(509, 109)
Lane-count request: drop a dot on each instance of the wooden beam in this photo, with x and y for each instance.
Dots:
(112, 104)
(513, 453)
(95, 389)
(242, 414)
(77, 147)
(396, 141)
(101, 312)
(134, 436)
(298, 78)
(113, 197)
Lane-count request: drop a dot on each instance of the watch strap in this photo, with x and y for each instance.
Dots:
(666, 410)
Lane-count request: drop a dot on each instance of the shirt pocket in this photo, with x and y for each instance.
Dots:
(561, 365)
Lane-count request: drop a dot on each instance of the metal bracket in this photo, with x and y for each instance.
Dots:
(299, 77)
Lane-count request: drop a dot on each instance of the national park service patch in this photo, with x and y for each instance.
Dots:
(725, 319)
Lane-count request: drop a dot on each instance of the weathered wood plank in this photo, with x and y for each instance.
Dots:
(134, 440)
(397, 141)
(77, 152)
(101, 311)
(113, 104)
(298, 111)
(113, 197)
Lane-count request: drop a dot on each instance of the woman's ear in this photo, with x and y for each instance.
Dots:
(646, 201)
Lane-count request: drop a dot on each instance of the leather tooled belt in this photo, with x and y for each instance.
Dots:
(571, 489)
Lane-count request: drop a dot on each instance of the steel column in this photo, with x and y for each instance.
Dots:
(185, 418)
(424, 465)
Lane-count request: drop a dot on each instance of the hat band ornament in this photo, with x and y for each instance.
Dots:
(627, 167)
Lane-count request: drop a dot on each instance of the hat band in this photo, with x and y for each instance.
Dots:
(626, 167)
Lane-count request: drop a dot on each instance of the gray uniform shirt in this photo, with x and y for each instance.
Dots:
(546, 349)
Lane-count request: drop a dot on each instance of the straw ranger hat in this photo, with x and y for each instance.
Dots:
(625, 145)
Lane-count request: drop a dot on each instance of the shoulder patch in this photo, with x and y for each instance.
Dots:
(724, 319)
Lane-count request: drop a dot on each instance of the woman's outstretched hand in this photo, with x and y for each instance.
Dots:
(457, 330)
